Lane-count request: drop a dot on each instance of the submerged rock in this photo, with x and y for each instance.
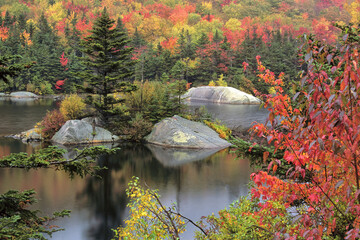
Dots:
(79, 132)
(182, 133)
(227, 95)
(23, 95)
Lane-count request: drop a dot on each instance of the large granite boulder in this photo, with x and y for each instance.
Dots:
(79, 132)
(182, 133)
(227, 95)
(23, 95)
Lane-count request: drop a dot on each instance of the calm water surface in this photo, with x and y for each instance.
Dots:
(236, 117)
(200, 182)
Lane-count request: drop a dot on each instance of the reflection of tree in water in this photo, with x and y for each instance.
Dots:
(22, 114)
(9, 145)
(107, 197)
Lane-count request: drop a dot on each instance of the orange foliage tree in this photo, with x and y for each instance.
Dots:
(4, 33)
(318, 130)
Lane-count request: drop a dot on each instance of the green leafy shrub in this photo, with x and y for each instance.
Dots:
(241, 221)
(139, 128)
(155, 100)
(19, 222)
(43, 88)
(72, 107)
(143, 95)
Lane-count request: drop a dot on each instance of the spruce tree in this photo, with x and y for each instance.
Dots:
(109, 63)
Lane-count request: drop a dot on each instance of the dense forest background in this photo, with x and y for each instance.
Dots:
(196, 41)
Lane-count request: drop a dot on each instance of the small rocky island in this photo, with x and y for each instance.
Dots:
(182, 133)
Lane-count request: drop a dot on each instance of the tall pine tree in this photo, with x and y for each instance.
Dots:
(110, 66)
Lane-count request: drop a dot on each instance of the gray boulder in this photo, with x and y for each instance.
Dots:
(227, 95)
(79, 132)
(182, 133)
(23, 95)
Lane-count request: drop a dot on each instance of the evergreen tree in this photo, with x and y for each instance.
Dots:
(217, 37)
(22, 21)
(8, 70)
(45, 51)
(203, 40)
(187, 51)
(107, 56)
(8, 20)
(120, 25)
(137, 40)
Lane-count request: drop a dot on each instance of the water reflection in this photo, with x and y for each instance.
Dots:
(199, 182)
(236, 117)
(10, 145)
(179, 156)
(18, 114)
(199, 188)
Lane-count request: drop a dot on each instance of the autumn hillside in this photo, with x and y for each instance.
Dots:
(191, 40)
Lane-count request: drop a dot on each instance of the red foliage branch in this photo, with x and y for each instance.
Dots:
(63, 60)
(69, 5)
(319, 131)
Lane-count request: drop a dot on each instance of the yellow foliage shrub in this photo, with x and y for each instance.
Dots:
(149, 219)
(223, 131)
(143, 95)
(221, 82)
(72, 107)
(212, 83)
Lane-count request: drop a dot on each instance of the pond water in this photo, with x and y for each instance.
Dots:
(200, 182)
(236, 117)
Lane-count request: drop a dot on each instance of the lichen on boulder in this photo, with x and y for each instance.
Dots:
(182, 133)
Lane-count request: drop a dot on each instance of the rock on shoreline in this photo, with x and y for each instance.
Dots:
(23, 95)
(228, 95)
(82, 132)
